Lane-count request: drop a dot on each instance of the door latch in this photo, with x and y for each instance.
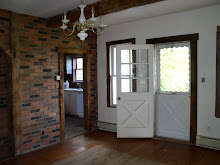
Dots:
(118, 98)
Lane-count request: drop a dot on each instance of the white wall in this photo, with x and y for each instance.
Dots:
(203, 21)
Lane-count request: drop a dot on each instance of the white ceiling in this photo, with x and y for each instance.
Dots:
(49, 8)
(42, 8)
(156, 9)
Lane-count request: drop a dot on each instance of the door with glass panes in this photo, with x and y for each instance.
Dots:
(135, 91)
(173, 93)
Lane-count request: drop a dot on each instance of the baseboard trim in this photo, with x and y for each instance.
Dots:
(107, 126)
(208, 142)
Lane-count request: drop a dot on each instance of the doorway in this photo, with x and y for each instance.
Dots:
(86, 87)
(192, 39)
(73, 95)
(173, 90)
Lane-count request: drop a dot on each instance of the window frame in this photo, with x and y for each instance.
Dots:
(75, 68)
(108, 45)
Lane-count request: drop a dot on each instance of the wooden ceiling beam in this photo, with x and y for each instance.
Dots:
(102, 7)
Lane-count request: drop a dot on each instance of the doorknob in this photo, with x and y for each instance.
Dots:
(118, 98)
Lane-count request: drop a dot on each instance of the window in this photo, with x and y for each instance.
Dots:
(78, 69)
(69, 65)
(174, 67)
(111, 70)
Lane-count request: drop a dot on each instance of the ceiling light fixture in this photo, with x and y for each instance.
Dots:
(82, 25)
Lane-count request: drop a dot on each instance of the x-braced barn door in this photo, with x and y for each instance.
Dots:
(135, 91)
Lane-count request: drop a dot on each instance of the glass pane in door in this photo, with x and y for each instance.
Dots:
(134, 71)
(174, 69)
(139, 70)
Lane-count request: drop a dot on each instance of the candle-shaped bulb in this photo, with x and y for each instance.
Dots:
(64, 17)
(93, 12)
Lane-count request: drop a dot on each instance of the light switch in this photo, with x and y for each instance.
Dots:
(57, 78)
(203, 79)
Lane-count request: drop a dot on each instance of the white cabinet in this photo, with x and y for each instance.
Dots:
(70, 103)
(73, 103)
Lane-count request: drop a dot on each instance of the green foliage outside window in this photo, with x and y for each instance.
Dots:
(174, 69)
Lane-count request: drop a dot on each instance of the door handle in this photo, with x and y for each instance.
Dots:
(118, 98)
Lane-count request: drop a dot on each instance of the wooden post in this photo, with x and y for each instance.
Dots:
(61, 99)
(16, 96)
(87, 102)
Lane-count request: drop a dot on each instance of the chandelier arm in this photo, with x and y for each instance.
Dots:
(96, 32)
(71, 31)
(68, 34)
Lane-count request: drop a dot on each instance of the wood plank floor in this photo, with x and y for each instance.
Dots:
(157, 150)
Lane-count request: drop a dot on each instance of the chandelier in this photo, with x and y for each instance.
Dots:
(82, 25)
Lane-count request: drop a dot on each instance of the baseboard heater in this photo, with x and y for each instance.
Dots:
(208, 142)
(107, 126)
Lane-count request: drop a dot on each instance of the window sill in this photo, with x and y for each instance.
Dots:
(77, 81)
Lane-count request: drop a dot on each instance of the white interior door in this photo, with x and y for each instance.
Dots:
(173, 96)
(135, 91)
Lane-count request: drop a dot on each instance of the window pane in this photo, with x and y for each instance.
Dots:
(114, 91)
(174, 69)
(69, 64)
(125, 85)
(140, 70)
(142, 56)
(79, 63)
(79, 75)
(125, 70)
(125, 56)
(112, 60)
(142, 85)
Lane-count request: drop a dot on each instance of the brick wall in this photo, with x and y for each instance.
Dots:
(39, 65)
(5, 108)
(6, 142)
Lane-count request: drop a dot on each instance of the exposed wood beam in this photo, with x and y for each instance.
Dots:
(16, 96)
(102, 7)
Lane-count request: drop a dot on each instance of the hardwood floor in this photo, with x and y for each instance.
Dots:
(157, 150)
(73, 126)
